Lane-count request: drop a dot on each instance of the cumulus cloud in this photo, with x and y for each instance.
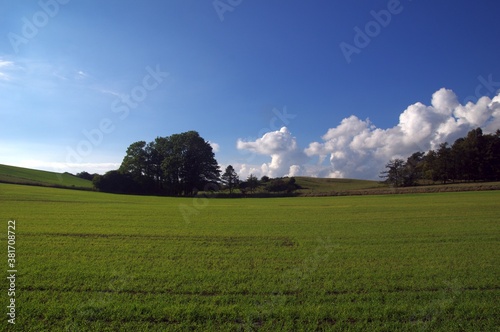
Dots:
(357, 149)
(282, 147)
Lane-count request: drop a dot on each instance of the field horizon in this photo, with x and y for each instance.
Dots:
(309, 186)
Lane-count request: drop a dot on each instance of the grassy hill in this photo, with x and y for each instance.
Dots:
(309, 186)
(323, 185)
(336, 187)
(20, 175)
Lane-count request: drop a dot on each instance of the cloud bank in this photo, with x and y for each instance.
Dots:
(358, 149)
(281, 146)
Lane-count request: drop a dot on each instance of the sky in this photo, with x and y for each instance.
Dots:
(279, 88)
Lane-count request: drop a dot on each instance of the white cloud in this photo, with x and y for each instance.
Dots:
(282, 147)
(81, 75)
(215, 146)
(113, 93)
(5, 63)
(244, 170)
(73, 168)
(358, 149)
(6, 69)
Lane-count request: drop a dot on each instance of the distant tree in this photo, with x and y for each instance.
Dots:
(85, 175)
(444, 164)
(116, 182)
(475, 157)
(230, 178)
(413, 170)
(492, 157)
(264, 179)
(243, 186)
(252, 182)
(282, 185)
(292, 185)
(430, 165)
(460, 164)
(276, 185)
(395, 173)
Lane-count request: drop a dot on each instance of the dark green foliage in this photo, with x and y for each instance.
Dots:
(230, 178)
(252, 183)
(395, 173)
(180, 164)
(475, 157)
(282, 185)
(85, 175)
(116, 182)
(413, 169)
(277, 185)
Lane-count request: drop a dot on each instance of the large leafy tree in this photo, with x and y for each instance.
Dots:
(177, 164)
(191, 163)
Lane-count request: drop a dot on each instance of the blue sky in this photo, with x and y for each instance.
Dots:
(82, 80)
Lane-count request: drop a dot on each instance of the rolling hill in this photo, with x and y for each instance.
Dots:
(26, 176)
(311, 185)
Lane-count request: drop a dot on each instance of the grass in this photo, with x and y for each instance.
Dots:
(20, 175)
(90, 261)
(321, 185)
(309, 186)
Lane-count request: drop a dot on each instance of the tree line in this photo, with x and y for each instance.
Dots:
(183, 164)
(179, 165)
(475, 157)
(231, 181)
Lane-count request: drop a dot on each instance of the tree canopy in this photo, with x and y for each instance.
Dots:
(180, 164)
(230, 178)
(475, 157)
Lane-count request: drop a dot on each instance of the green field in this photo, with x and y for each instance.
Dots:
(90, 261)
(20, 175)
(324, 185)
